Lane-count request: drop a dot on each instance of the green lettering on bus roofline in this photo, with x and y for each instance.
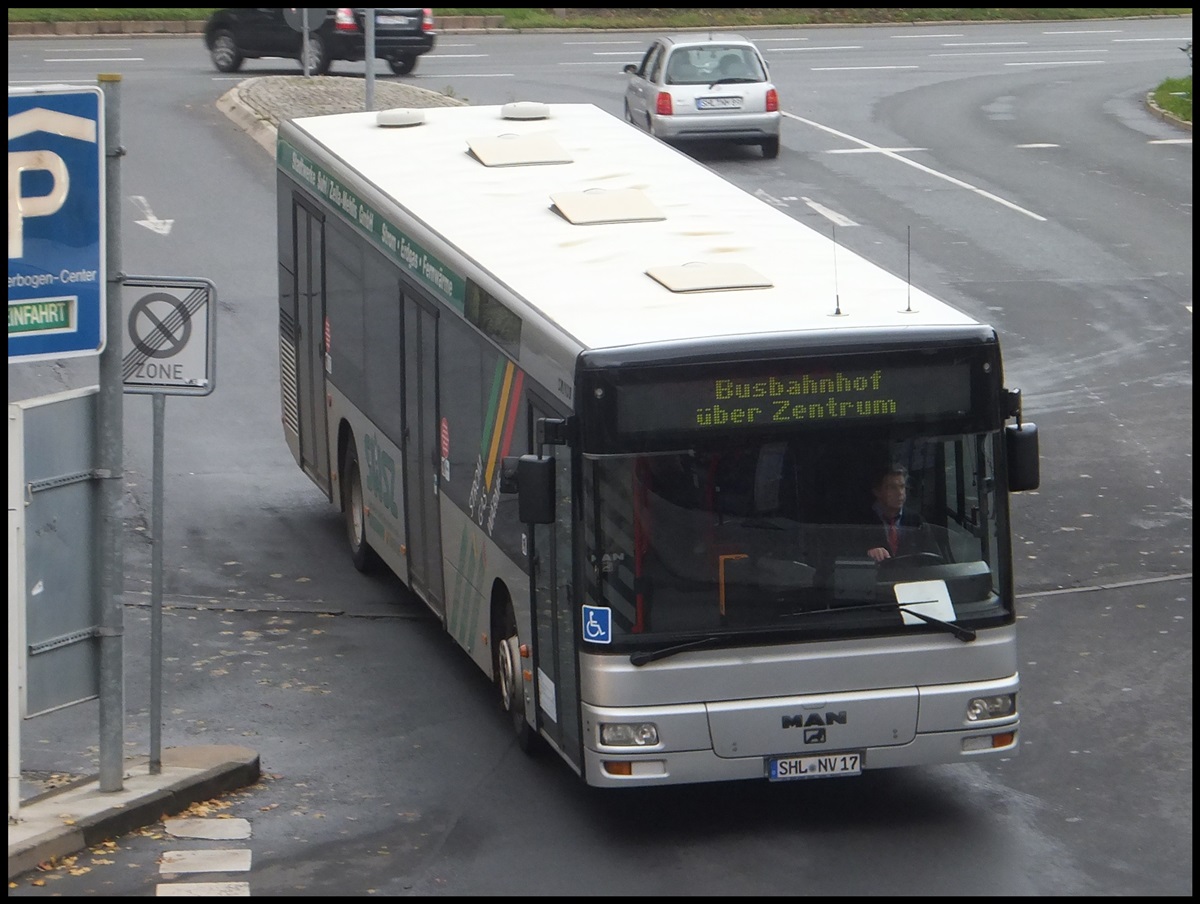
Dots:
(387, 236)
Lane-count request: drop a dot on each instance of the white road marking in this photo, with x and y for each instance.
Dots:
(836, 218)
(873, 150)
(441, 76)
(96, 60)
(90, 49)
(220, 829)
(204, 890)
(218, 861)
(807, 49)
(236, 860)
(856, 68)
(1016, 53)
(1060, 63)
(920, 166)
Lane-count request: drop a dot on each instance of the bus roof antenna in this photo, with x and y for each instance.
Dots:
(837, 295)
(908, 280)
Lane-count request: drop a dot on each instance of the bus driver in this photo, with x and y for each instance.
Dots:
(900, 532)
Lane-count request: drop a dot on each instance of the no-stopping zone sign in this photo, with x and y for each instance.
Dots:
(170, 335)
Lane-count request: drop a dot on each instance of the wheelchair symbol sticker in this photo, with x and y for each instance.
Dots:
(597, 624)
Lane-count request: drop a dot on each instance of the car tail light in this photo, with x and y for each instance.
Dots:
(662, 106)
(343, 20)
(427, 20)
(772, 100)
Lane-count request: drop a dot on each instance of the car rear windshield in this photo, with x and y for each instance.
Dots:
(713, 62)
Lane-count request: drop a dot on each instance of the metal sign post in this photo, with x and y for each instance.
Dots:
(171, 342)
(304, 21)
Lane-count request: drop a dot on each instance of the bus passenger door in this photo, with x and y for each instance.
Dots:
(310, 344)
(422, 516)
(554, 617)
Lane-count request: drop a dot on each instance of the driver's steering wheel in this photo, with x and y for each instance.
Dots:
(919, 559)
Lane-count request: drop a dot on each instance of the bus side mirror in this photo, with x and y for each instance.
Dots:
(532, 479)
(1024, 467)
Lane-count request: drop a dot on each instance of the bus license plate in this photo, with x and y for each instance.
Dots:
(793, 767)
(719, 103)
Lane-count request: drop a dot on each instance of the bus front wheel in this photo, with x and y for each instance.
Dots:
(507, 660)
(355, 511)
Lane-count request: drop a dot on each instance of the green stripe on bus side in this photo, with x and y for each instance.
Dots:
(493, 403)
(388, 237)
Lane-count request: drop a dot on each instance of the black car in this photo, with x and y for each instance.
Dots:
(401, 35)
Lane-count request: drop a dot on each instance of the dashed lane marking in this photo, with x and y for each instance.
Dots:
(205, 890)
(216, 861)
(202, 861)
(213, 829)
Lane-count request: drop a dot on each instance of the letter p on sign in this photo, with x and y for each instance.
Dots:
(21, 207)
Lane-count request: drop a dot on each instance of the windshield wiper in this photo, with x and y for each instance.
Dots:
(966, 635)
(641, 657)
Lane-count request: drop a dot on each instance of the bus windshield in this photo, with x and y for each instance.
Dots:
(794, 537)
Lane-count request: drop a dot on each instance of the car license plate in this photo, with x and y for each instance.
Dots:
(787, 768)
(393, 20)
(718, 103)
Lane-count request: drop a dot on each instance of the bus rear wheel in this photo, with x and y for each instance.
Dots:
(355, 510)
(506, 658)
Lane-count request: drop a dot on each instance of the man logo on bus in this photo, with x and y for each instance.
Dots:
(803, 721)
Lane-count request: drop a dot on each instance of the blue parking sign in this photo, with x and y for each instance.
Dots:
(56, 214)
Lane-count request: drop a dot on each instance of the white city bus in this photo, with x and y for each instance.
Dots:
(616, 422)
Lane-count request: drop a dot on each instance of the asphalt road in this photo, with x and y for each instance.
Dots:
(392, 770)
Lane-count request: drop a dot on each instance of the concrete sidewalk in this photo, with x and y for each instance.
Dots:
(65, 821)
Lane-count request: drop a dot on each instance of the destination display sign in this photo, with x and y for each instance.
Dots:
(799, 397)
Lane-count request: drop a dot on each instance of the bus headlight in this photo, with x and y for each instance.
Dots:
(628, 734)
(991, 707)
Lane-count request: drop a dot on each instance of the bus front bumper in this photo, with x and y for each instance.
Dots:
(610, 769)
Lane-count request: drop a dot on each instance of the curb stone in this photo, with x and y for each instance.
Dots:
(67, 820)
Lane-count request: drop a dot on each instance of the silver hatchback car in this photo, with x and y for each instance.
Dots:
(704, 87)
